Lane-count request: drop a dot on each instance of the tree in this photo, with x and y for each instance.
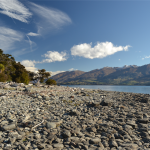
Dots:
(21, 74)
(42, 74)
(2, 68)
(32, 75)
(51, 82)
(12, 71)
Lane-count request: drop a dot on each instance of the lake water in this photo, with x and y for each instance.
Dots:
(133, 89)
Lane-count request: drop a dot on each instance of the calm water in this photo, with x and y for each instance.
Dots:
(133, 89)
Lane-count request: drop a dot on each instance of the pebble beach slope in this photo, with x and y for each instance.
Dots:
(35, 117)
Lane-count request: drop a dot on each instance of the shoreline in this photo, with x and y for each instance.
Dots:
(62, 118)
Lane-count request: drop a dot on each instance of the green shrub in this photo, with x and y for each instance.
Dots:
(2, 68)
(3, 77)
(51, 82)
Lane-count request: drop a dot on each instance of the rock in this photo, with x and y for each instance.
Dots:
(51, 125)
(4, 122)
(37, 136)
(128, 127)
(145, 100)
(74, 112)
(9, 127)
(28, 89)
(132, 123)
(76, 140)
(130, 145)
(95, 140)
(26, 118)
(113, 143)
(66, 134)
(107, 102)
(144, 120)
(71, 97)
(58, 145)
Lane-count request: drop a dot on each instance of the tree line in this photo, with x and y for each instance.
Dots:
(10, 70)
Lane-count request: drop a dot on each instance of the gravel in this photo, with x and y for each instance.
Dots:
(63, 118)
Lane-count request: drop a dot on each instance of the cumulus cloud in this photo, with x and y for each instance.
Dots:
(100, 50)
(15, 10)
(72, 69)
(33, 34)
(8, 37)
(29, 65)
(53, 56)
(50, 18)
(146, 57)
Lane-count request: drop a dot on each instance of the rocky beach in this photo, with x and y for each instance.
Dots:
(35, 117)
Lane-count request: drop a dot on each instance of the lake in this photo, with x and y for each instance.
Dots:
(119, 88)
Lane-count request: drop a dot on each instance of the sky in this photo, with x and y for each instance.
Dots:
(67, 35)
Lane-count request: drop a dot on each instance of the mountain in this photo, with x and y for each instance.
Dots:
(126, 75)
(67, 76)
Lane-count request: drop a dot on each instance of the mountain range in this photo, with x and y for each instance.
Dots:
(126, 75)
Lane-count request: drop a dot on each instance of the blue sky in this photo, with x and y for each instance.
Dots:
(75, 35)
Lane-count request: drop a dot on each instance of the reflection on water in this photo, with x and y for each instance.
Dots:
(133, 89)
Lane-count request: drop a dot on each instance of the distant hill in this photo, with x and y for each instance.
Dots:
(67, 76)
(126, 75)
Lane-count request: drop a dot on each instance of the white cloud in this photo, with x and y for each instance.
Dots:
(49, 18)
(29, 65)
(146, 57)
(8, 37)
(53, 56)
(72, 69)
(32, 69)
(32, 34)
(14, 40)
(100, 50)
(119, 59)
(15, 10)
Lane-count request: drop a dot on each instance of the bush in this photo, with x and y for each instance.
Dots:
(2, 68)
(3, 77)
(51, 82)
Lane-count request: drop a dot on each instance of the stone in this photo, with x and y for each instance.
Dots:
(28, 89)
(9, 127)
(107, 102)
(37, 136)
(51, 125)
(58, 145)
(132, 123)
(113, 143)
(130, 145)
(144, 120)
(66, 134)
(4, 122)
(127, 127)
(95, 140)
(74, 112)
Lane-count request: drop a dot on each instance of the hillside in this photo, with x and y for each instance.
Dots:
(127, 75)
(67, 76)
